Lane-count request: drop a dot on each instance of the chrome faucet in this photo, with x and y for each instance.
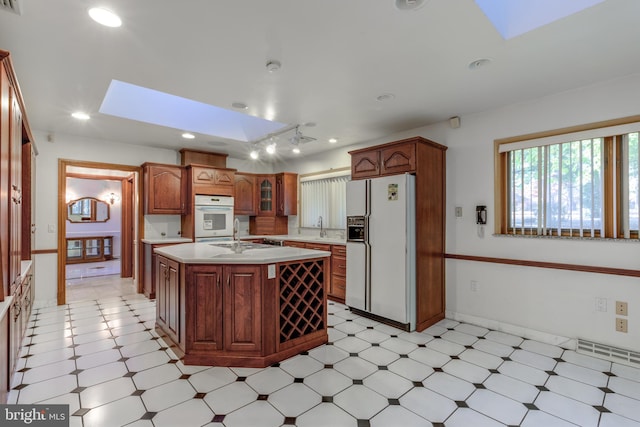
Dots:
(235, 246)
(323, 233)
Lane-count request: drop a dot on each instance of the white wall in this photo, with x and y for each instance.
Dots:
(531, 301)
(71, 148)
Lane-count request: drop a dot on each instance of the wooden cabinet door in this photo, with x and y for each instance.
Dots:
(294, 243)
(168, 296)
(242, 308)
(244, 194)
(266, 189)
(163, 190)
(224, 177)
(398, 159)
(365, 164)
(337, 289)
(15, 191)
(204, 308)
(286, 194)
(202, 175)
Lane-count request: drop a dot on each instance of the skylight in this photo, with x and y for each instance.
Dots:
(133, 102)
(515, 17)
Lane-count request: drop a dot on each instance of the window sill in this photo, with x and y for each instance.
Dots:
(594, 239)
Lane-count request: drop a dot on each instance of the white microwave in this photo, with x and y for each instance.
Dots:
(213, 216)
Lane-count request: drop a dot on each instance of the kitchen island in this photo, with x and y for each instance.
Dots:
(240, 304)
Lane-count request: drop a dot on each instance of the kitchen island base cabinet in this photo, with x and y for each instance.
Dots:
(239, 314)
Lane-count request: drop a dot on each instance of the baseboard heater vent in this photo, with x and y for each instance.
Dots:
(10, 6)
(608, 352)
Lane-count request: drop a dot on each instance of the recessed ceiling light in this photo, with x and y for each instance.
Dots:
(479, 63)
(386, 97)
(105, 17)
(239, 105)
(410, 4)
(188, 135)
(333, 140)
(80, 115)
(296, 150)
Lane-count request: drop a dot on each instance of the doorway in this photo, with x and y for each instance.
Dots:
(98, 226)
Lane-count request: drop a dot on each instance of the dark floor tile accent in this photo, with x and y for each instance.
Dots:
(138, 393)
(364, 423)
(76, 372)
(382, 368)
(369, 327)
(123, 359)
(276, 365)
(155, 338)
(542, 388)
(494, 371)
(298, 380)
(606, 389)
(609, 374)
(551, 373)
(517, 347)
(118, 347)
(78, 390)
(481, 338)
(26, 356)
(129, 374)
(80, 412)
(328, 366)
(558, 359)
(480, 386)
(468, 347)
(393, 336)
(199, 395)
(329, 343)
(349, 320)
(327, 399)
(404, 356)
(461, 404)
(184, 377)
(353, 354)
(24, 370)
(455, 358)
(437, 369)
(357, 382)
(422, 345)
(531, 406)
(375, 344)
(289, 421)
(73, 345)
(417, 384)
(437, 336)
(394, 401)
(304, 353)
(263, 396)
(148, 416)
(601, 408)
(506, 359)
(173, 361)
(438, 424)
(20, 387)
(241, 379)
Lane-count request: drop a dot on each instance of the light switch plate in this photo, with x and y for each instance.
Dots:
(271, 271)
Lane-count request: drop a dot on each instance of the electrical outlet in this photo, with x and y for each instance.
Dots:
(621, 324)
(458, 211)
(621, 308)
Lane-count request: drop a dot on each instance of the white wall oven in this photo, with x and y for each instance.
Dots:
(213, 217)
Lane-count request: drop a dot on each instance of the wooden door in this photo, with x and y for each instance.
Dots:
(398, 159)
(163, 190)
(244, 194)
(365, 164)
(242, 308)
(203, 309)
(127, 249)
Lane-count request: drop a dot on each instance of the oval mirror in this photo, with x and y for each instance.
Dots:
(87, 209)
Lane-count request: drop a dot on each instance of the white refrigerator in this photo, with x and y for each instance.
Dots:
(381, 273)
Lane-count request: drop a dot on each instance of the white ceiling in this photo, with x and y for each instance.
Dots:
(337, 57)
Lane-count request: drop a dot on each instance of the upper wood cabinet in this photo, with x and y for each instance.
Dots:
(244, 194)
(286, 194)
(163, 189)
(208, 158)
(388, 159)
(212, 181)
(266, 188)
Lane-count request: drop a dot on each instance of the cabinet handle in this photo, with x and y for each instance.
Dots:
(218, 282)
(228, 280)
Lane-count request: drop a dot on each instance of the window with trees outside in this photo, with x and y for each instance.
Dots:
(324, 195)
(578, 182)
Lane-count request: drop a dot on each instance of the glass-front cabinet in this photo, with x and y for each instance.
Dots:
(266, 188)
(89, 249)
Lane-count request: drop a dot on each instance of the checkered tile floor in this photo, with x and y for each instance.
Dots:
(105, 360)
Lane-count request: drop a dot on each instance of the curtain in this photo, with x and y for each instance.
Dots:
(326, 198)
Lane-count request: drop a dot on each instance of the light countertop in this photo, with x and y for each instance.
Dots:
(162, 240)
(207, 253)
(300, 238)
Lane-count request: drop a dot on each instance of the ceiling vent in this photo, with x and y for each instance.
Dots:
(10, 6)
